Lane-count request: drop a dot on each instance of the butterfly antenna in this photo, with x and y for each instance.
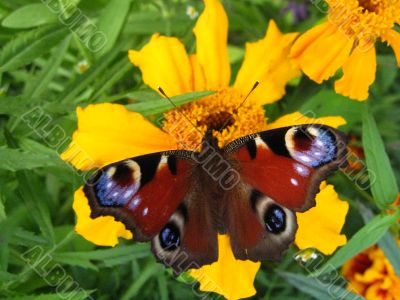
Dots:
(240, 105)
(177, 108)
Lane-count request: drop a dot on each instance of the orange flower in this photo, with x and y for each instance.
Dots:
(108, 132)
(371, 275)
(347, 39)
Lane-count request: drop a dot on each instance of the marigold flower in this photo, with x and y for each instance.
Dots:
(346, 39)
(108, 132)
(371, 275)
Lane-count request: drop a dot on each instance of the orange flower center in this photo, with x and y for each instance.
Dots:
(224, 113)
(364, 20)
(370, 6)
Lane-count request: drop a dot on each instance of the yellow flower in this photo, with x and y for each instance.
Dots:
(347, 39)
(371, 275)
(108, 132)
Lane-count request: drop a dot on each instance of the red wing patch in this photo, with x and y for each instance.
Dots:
(142, 192)
(281, 178)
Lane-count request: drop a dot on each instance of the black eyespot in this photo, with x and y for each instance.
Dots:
(275, 219)
(169, 237)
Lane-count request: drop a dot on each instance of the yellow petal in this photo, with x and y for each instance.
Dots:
(228, 277)
(393, 39)
(102, 231)
(308, 38)
(211, 32)
(267, 61)
(329, 214)
(109, 132)
(358, 74)
(321, 51)
(297, 118)
(199, 79)
(165, 63)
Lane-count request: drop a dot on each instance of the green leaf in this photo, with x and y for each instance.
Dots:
(319, 288)
(16, 159)
(29, 16)
(392, 252)
(41, 81)
(5, 276)
(79, 295)
(30, 45)
(329, 103)
(387, 243)
(382, 180)
(23, 237)
(367, 236)
(153, 107)
(83, 81)
(114, 74)
(111, 22)
(74, 261)
(386, 73)
(150, 271)
(3, 215)
(32, 196)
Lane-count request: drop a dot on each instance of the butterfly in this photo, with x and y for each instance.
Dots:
(250, 190)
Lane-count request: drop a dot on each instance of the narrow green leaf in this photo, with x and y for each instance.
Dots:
(392, 251)
(83, 81)
(23, 237)
(3, 215)
(16, 159)
(382, 180)
(15, 105)
(5, 276)
(145, 275)
(104, 254)
(74, 261)
(79, 295)
(32, 195)
(41, 80)
(114, 74)
(111, 22)
(29, 16)
(318, 288)
(153, 107)
(367, 236)
(387, 243)
(162, 286)
(30, 45)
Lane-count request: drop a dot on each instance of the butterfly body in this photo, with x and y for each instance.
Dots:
(250, 190)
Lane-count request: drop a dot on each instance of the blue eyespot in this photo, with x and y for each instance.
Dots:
(275, 219)
(312, 146)
(169, 237)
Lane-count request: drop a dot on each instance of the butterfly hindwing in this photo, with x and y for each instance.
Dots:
(155, 197)
(281, 171)
(259, 227)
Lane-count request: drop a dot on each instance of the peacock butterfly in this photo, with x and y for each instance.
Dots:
(250, 190)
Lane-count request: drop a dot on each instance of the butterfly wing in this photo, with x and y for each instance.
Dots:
(155, 197)
(281, 171)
